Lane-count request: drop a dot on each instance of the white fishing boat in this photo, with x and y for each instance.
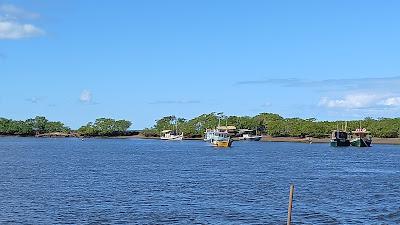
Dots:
(248, 135)
(219, 137)
(171, 135)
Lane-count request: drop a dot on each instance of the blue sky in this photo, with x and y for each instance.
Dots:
(75, 61)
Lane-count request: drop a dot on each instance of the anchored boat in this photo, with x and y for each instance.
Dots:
(248, 135)
(361, 138)
(218, 138)
(339, 139)
(171, 135)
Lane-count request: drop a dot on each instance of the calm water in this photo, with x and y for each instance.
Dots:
(104, 181)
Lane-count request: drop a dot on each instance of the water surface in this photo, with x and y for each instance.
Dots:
(129, 181)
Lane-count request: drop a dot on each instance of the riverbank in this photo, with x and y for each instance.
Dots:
(391, 141)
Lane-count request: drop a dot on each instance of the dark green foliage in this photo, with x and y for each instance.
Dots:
(105, 127)
(277, 126)
(29, 127)
(150, 132)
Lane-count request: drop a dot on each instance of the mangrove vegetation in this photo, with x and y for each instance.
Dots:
(39, 126)
(30, 127)
(265, 123)
(274, 125)
(105, 127)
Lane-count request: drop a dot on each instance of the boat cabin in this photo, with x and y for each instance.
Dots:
(360, 132)
(339, 135)
(246, 131)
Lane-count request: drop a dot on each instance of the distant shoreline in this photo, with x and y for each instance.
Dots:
(392, 141)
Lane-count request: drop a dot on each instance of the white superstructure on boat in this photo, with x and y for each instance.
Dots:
(170, 135)
(248, 135)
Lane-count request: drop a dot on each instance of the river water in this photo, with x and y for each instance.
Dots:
(130, 181)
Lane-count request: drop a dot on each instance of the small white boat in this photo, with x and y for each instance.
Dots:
(170, 135)
(247, 135)
(250, 137)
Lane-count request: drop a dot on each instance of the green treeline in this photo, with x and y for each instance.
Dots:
(265, 123)
(40, 125)
(275, 125)
(30, 127)
(105, 127)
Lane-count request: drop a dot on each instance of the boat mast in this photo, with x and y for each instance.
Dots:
(219, 119)
(337, 130)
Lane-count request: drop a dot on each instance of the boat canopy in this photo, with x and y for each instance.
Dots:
(360, 131)
(226, 128)
(241, 131)
(166, 131)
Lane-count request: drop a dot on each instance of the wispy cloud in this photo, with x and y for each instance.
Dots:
(182, 102)
(86, 96)
(15, 30)
(392, 101)
(361, 101)
(344, 83)
(12, 25)
(34, 100)
(279, 81)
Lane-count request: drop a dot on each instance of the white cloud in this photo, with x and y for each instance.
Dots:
(14, 30)
(86, 96)
(360, 101)
(11, 26)
(392, 101)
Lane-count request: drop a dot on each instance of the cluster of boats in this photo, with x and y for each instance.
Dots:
(222, 136)
(358, 138)
(219, 137)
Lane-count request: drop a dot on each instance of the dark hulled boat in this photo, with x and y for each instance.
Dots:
(339, 139)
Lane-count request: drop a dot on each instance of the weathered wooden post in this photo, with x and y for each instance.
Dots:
(289, 213)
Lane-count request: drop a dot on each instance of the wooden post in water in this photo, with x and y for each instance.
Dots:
(289, 213)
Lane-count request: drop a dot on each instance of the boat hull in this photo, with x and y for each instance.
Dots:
(253, 138)
(222, 144)
(340, 143)
(359, 142)
(173, 138)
